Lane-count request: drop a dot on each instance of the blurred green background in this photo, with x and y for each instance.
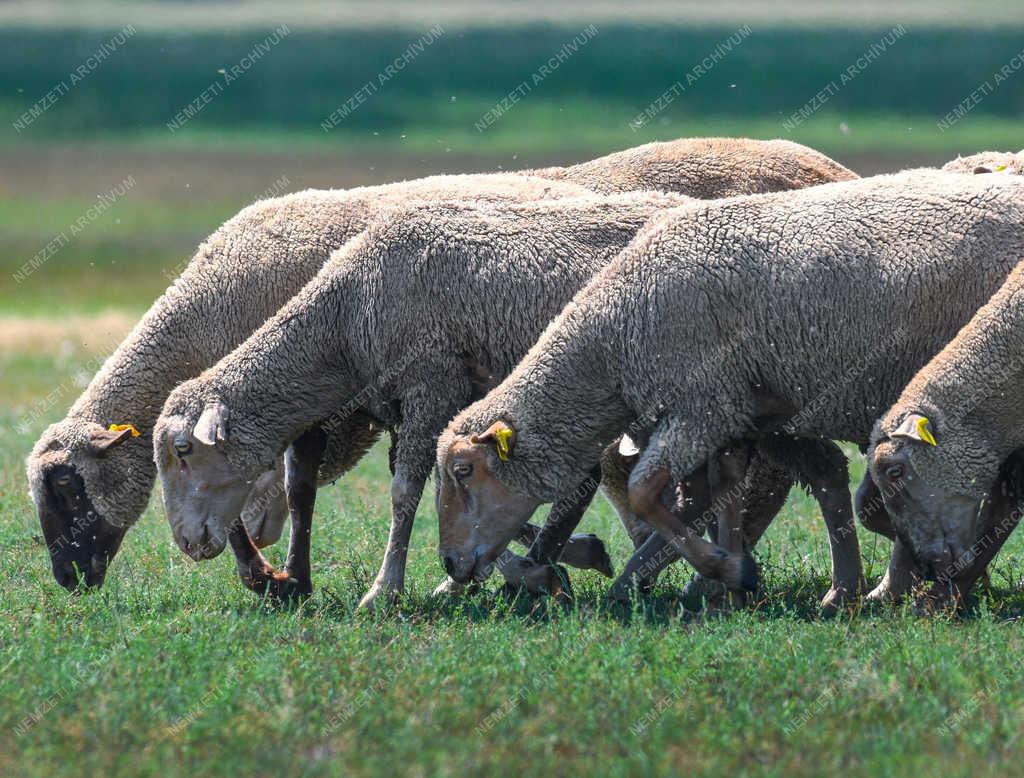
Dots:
(262, 131)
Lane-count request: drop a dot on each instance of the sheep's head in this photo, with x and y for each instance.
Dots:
(988, 162)
(934, 478)
(204, 493)
(90, 483)
(478, 514)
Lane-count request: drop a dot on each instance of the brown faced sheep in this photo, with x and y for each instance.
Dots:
(84, 477)
(386, 329)
(808, 311)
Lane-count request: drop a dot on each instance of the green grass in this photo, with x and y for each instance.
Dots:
(174, 668)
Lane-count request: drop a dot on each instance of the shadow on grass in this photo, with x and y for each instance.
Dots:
(792, 592)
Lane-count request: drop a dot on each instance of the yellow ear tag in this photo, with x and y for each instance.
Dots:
(503, 436)
(924, 432)
(123, 427)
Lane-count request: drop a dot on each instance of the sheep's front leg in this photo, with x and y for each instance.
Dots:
(826, 472)
(564, 517)
(413, 456)
(643, 568)
(584, 551)
(256, 573)
(302, 462)
(736, 570)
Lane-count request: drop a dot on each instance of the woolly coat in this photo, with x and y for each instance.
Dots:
(706, 168)
(988, 162)
(256, 261)
(242, 274)
(823, 302)
(971, 393)
(416, 316)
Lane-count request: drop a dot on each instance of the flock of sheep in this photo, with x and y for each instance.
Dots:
(675, 323)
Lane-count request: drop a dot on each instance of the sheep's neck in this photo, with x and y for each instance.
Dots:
(571, 401)
(981, 372)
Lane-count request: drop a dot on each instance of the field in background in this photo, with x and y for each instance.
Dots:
(173, 668)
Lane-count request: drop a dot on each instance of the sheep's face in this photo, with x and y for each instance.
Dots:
(478, 515)
(87, 487)
(934, 510)
(204, 494)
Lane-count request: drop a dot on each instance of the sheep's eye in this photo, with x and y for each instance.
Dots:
(462, 470)
(183, 447)
(894, 472)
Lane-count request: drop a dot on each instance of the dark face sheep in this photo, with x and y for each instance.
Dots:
(81, 536)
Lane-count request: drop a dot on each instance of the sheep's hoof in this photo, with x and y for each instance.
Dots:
(278, 585)
(587, 552)
(699, 589)
(452, 588)
(838, 597)
(738, 572)
(832, 602)
(541, 579)
(380, 597)
(625, 589)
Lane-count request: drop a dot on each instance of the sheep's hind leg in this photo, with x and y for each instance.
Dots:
(726, 475)
(584, 551)
(736, 570)
(302, 462)
(552, 542)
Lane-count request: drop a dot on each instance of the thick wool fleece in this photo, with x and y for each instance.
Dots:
(824, 301)
(972, 393)
(988, 162)
(706, 168)
(256, 261)
(432, 301)
(241, 275)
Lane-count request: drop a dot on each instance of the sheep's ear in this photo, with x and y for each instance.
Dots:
(501, 435)
(212, 427)
(915, 427)
(627, 447)
(101, 440)
(983, 169)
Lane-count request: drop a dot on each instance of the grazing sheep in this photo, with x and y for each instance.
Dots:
(406, 323)
(902, 572)
(706, 168)
(805, 312)
(936, 455)
(89, 485)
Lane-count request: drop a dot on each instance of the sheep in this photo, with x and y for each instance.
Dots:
(91, 483)
(83, 476)
(706, 168)
(988, 162)
(402, 325)
(902, 572)
(936, 455)
(804, 313)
